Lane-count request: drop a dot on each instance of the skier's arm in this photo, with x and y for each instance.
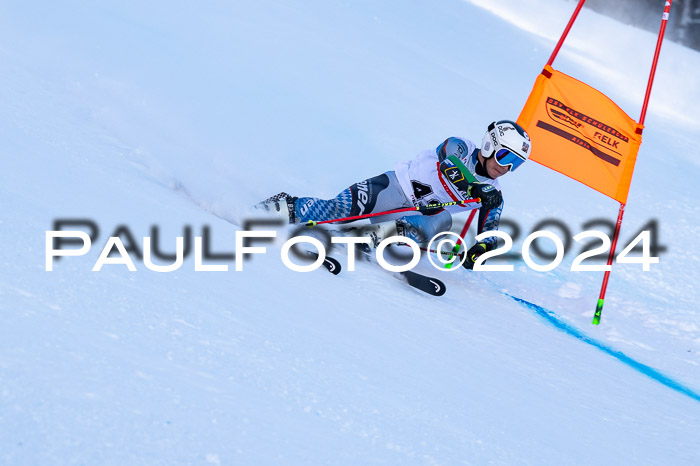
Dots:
(488, 220)
(452, 146)
(452, 156)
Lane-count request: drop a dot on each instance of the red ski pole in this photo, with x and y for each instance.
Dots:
(426, 208)
(455, 250)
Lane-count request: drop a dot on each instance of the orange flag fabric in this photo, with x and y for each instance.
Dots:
(581, 133)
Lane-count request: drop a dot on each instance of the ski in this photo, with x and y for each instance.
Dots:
(331, 264)
(421, 282)
(426, 284)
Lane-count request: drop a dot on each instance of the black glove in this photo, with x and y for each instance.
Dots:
(490, 196)
(473, 254)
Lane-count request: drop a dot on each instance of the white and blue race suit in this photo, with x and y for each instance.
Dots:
(413, 183)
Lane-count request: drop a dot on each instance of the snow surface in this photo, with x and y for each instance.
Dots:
(165, 114)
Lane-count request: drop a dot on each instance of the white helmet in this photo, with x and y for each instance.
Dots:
(508, 141)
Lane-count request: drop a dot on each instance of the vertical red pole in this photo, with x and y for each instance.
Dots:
(467, 224)
(566, 32)
(659, 41)
(611, 255)
(455, 250)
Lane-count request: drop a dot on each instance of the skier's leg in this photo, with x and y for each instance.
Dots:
(302, 209)
(313, 208)
(389, 197)
(422, 228)
(375, 194)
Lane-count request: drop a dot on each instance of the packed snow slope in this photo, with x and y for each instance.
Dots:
(138, 114)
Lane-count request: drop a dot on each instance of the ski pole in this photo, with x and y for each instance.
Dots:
(455, 250)
(451, 254)
(425, 208)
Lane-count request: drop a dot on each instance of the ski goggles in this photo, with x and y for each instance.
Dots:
(508, 158)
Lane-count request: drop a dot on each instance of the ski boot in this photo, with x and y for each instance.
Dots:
(377, 232)
(281, 204)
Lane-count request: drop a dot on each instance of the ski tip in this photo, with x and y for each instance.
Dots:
(332, 265)
(429, 285)
(439, 287)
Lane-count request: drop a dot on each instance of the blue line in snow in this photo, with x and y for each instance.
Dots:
(650, 372)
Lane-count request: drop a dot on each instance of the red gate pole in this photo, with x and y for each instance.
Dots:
(659, 41)
(566, 32)
(611, 256)
(650, 83)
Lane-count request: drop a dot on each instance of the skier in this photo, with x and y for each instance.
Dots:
(456, 170)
